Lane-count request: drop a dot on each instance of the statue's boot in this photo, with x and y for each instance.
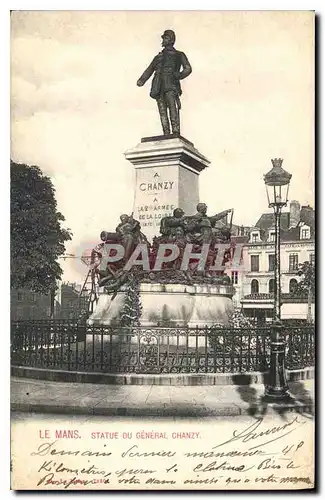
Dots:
(165, 126)
(162, 107)
(175, 124)
(174, 119)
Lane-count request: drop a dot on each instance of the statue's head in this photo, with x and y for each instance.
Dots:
(178, 213)
(202, 208)
(168, 38)
(124, 218)
(104, 235)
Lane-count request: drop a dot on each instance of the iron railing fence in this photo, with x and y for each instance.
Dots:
(69, 345)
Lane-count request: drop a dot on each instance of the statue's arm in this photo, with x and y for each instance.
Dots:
(136, 225)
(219, 216)
(147, 73)
(187, 68)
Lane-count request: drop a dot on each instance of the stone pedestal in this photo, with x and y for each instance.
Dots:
(167, 177)
(176, 304)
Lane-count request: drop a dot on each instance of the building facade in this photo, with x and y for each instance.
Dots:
(25, 305)
(254, 279)
(73, 303)
(70, 303)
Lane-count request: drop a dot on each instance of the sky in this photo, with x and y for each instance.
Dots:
(75, 107)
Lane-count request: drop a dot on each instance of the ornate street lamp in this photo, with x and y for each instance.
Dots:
(277, 182)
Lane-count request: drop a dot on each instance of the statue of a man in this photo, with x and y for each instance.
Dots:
(168, 224)
(193, 223)
(202, 214)
(129, 225)
(165, 86)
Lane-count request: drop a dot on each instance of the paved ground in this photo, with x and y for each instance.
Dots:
(28, 395)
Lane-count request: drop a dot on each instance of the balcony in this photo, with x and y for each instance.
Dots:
(268, 272)
(290, 271)
(269, 298)
(258, 297)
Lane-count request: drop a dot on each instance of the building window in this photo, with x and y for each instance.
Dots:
(312, 258)
(19, 296)
(271, 286)
(234, 277)
(254, 287)
(272, 236)
(271, 262)
(255, 237)
(255, 263)
(293, 262)
(292, 285)
(305, 234)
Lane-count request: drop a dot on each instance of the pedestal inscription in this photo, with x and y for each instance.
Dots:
(167, 172)
(156, 196)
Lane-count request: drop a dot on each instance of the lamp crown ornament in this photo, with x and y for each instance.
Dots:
(277, 162)
(277, 176)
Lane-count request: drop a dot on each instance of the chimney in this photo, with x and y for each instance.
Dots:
(307, 215)
(294, 214)
(307, 208)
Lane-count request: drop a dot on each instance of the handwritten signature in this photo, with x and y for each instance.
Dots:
(250, 433)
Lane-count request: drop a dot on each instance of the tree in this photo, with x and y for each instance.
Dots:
(132, 307)
(306, 285)
(37, 237)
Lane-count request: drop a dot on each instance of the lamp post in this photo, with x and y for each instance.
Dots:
(277, 182)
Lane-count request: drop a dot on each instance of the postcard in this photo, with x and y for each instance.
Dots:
(162, 250)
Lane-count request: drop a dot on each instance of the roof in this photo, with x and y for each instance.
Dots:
(292, 234)
(266, 222)
(240, 239)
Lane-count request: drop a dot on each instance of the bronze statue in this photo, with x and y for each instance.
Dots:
(202, 214)
(178, 229)
(126, 221)
(165, 86)
(112, 279)
(129, 225)
(193, 223)
(169, 224)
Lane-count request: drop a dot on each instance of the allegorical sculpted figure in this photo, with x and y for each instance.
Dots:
(180, 239)
(111, 277)
(165, 86)
(97, 251)
(169, 224)
(126, 221)
(129, 225)
(202, 214)
(128, 233)
(195, 222)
